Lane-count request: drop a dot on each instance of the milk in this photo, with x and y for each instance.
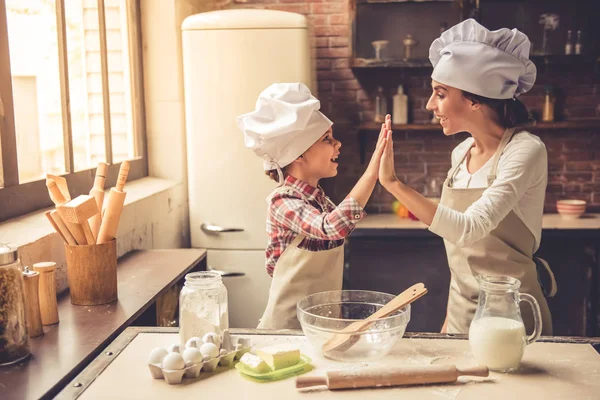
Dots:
(497, 342)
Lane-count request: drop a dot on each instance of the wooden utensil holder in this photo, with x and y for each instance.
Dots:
(92, 273)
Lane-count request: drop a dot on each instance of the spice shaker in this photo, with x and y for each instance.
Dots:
(47, 292)
(14, 340)
(31, 280)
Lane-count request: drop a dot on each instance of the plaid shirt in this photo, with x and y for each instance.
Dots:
(311, 214)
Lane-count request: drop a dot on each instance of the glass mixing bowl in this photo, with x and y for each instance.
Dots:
(322, 315)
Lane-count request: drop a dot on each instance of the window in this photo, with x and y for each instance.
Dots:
(70, 96)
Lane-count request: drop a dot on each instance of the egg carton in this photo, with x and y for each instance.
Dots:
(194, 361)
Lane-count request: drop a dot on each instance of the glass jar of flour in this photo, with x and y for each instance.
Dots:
(202, 306)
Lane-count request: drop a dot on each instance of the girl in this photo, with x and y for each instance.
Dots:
(306, 230)
(490, 213)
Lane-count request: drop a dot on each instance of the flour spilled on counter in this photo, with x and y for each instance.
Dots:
(446, 393)
(425, 360)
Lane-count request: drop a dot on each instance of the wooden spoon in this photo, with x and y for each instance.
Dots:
(346, 338)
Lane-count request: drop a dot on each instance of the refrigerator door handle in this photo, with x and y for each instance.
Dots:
(225, 274)
(210, 228)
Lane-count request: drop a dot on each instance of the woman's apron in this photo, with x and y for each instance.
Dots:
(507, 250)
(297, 274)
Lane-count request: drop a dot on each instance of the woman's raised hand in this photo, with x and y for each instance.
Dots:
(373, 167)
(387, 173)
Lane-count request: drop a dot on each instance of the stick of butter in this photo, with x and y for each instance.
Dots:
(254, 363)
(279, 356)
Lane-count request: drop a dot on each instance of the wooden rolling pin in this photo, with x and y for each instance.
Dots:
(97, 193)
(389, 376)
(114, 206)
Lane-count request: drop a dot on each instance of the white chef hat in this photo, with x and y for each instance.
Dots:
(493, 64)
(284, 124)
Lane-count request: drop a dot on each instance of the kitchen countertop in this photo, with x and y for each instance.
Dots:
(384, 224)
(83, 331)
(552, 368)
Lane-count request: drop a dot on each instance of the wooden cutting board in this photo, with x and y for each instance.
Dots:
(549, 371)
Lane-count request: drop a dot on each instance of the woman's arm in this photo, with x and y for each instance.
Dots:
(420, 206)
(517, 172)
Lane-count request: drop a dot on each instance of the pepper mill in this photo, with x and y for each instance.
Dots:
(32, 303)
(47, 292)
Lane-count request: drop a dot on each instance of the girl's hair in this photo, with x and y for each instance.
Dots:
(273, 174)
(510, 112)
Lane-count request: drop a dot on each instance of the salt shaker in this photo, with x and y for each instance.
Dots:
(31, 280)
(47, 292)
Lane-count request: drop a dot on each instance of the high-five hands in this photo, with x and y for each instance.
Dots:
(374, 165)
(387, 174)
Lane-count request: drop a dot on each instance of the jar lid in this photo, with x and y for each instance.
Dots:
(7, 254)
(27, 272)
(45, 266)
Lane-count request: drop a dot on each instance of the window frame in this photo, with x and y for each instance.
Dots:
(17, 199)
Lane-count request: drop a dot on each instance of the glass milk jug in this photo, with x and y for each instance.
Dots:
(202, 306)
(497, 334)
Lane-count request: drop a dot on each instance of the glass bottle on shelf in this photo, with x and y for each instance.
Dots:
(380, 106)
(548, 109)
(569, 44)
(578, 44)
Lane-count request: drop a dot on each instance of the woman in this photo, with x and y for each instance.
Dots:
(490, 213)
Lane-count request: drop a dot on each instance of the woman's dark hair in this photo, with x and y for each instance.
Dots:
(510, 112)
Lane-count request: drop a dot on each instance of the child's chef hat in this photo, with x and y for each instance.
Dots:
(493, 64)
(284, 124)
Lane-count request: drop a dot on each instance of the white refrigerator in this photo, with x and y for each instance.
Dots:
(229, 58)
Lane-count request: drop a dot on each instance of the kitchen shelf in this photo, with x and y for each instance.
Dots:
(402, 1)
(538, 60)
(374, 126)
(366, 63)
(578, 124)
(365, 128)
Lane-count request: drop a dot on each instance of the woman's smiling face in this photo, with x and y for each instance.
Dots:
(450, 107)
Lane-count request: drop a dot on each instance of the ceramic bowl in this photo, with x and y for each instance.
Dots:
(571, 209)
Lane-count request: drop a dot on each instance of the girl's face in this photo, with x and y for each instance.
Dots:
(450, 107)
(320, 160)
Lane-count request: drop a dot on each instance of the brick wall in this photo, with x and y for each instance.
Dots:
(346, 97)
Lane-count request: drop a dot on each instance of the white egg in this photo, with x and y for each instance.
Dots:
(209, 350)
(173, 361)
(192, 355)
(157, 355)
(194, 342)
(212, 337)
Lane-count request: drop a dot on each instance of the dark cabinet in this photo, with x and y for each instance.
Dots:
(391, 260)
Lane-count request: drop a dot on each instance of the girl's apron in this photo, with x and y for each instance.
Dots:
(507, 250)
(297, 274)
